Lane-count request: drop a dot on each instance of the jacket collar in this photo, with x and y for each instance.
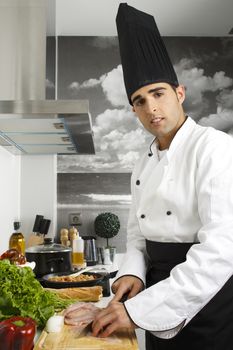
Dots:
(180, 137)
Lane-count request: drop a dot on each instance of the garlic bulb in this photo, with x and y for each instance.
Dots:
(55, 324)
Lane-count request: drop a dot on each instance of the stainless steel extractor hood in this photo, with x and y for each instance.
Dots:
(29, 124)
(46, 127)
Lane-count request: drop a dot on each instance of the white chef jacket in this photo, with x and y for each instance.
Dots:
(187, 196)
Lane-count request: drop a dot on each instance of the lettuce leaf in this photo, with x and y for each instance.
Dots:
(21, 294)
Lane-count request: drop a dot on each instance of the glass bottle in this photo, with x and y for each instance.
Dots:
(17, 240)
(78, 251)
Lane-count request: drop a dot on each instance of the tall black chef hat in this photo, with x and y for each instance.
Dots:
(144, 56)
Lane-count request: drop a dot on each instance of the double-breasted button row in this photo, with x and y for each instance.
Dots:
(168, 213)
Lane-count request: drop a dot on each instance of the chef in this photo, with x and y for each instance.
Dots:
(177, 271)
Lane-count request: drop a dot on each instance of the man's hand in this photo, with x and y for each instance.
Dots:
(126, 285)
(110, 319)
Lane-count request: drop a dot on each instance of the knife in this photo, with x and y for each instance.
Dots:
(36, 227)
(44, 226)
(86, 329)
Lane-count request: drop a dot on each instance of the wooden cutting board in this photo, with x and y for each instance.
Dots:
(71, 338)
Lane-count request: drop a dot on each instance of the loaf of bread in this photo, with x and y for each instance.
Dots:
(79, 293)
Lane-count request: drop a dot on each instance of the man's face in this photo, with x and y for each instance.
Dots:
(159, 108)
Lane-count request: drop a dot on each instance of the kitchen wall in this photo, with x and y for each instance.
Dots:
(28, 186)
(88, 194)
(9, 195)
(38, 191)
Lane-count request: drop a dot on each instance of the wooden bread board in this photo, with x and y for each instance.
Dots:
(72, 339)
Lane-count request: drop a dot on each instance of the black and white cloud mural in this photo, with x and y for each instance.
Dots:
(89, 68)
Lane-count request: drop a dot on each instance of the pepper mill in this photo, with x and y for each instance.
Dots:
(73, 234)
(64, 237)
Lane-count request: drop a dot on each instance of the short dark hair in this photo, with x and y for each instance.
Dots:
(173, 87)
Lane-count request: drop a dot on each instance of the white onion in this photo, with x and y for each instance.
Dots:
(54, 324)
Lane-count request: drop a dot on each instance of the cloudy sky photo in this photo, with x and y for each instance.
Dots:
(89, 68)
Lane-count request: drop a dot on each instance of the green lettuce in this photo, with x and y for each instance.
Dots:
(21, 294)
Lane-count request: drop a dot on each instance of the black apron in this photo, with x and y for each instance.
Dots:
(212, 327)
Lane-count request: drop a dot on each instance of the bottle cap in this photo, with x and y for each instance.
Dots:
(16, 225)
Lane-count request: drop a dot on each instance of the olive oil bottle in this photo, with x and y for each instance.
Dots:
(17, 240)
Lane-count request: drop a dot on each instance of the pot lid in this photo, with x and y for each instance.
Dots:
(48, 247)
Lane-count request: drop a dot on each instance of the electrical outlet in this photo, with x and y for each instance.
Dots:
(75, 219)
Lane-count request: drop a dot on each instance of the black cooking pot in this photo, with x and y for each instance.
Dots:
(99, 279)
(49, 258)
